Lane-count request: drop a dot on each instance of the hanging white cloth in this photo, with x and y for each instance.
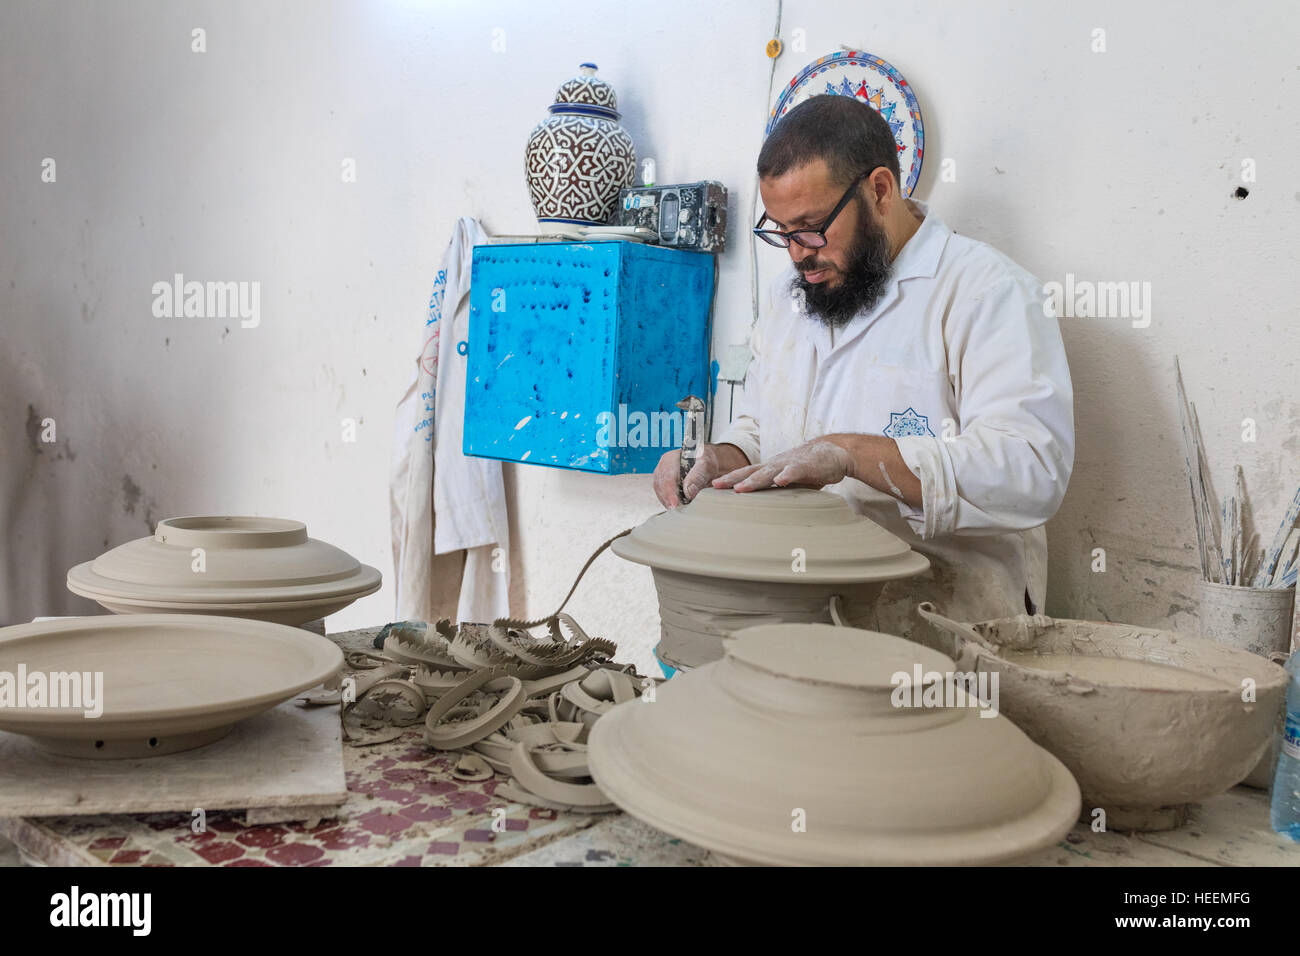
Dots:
(442, 502)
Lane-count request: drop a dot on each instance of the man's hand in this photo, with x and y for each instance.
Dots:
(813, 464)
(712, 461)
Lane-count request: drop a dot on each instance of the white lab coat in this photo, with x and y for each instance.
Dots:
(442, 502)
(959, 364)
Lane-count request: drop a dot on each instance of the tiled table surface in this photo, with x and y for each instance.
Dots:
(405, 809)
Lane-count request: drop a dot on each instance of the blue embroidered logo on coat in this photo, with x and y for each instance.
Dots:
(906, 423)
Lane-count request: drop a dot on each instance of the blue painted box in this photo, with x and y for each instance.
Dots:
(579, 352)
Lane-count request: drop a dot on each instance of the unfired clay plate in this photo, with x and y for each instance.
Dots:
(796, 726)
(754, 537)
(171, 682)
(262, 568)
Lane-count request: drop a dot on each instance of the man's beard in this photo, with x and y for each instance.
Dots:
(864, 281)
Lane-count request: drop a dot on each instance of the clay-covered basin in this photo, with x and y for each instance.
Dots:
(1148, 721)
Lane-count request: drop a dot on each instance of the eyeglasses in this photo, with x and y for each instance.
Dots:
(808, 238)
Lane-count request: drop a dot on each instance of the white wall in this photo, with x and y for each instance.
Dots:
(226, 165)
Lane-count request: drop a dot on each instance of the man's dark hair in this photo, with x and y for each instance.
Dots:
(845, 132)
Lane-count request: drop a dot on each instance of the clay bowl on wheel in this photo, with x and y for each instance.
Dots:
(802, 724)
(264, 569)
(1148, 721)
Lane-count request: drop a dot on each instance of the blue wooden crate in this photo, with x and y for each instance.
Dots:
(579, 352)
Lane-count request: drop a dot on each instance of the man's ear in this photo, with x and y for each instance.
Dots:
(882, 191)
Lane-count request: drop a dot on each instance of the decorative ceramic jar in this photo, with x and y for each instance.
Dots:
(579, 158)
(727, 561)
(798, 748)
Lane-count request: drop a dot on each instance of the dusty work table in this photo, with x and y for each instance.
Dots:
(404, 808)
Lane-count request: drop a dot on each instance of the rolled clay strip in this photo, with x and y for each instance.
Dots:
(455, 736)
(472, 768)
(360, 684)
(537, 735)
(531, 778)
(575, 695)
(364, 660)
(430, 656)
(404, 688)
(435, 683)
(548, 685)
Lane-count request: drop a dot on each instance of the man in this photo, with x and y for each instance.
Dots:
(913, 371)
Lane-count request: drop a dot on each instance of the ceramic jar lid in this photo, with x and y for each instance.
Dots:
(241, 562)
(586, 93)
(754, 537)
(165, 682)
(798, 725)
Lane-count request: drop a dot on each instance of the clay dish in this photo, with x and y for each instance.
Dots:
(751, 537)
(797, 720)
(261, 568)
(728, 561)
(1148, 721)
(171, 682)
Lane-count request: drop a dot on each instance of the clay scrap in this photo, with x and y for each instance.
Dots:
(507, 701)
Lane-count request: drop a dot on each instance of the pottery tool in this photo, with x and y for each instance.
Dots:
(692, 428)
(1224, 539)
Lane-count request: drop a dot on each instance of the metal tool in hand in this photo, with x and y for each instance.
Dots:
(692, 430)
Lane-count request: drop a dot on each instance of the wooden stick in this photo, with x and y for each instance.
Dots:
(1188, 458)
(1286, 558)
(1239, 530)
(1266, 570)
(1213, 534)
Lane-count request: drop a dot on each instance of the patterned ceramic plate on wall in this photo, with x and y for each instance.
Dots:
(874, 81)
